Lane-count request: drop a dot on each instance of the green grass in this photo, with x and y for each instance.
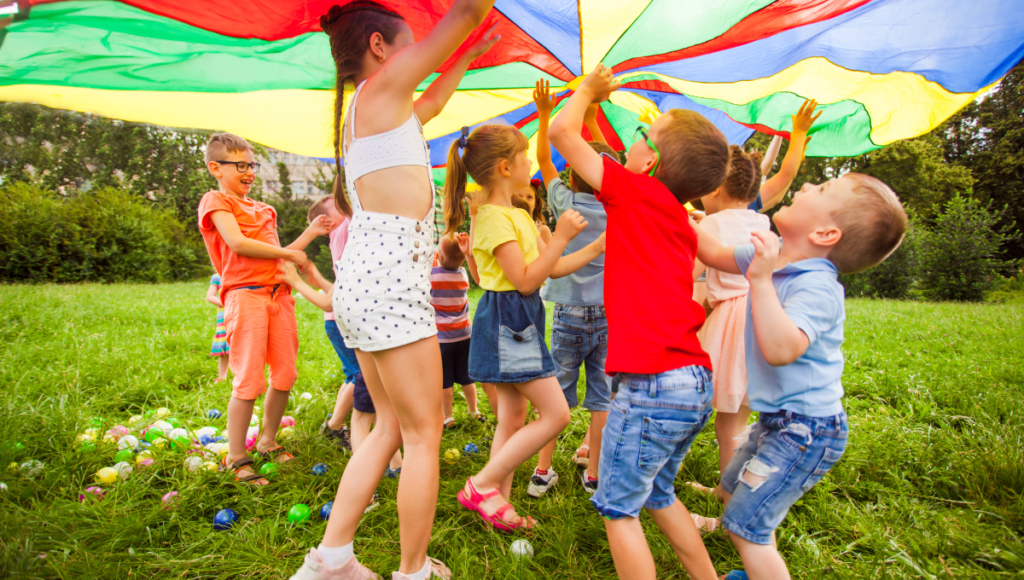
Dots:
(930, 486)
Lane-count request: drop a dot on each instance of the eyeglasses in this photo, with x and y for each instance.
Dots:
(242, 166)
(643, 134)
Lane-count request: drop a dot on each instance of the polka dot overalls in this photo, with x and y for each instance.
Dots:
(382, 294)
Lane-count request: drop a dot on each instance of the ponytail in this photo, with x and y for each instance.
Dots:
(482, 150)
(454, 189)
(340, 199)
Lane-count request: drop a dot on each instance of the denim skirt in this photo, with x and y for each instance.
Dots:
(508, 339)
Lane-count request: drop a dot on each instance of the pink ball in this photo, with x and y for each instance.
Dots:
(250, 442)
(145, 462)
(119, 431)
(287, 421)
(169, 499)
(94, 491)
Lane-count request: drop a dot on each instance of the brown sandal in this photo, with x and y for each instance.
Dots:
(238, 466)
(274, 453)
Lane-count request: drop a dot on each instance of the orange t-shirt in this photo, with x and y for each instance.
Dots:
(257, 221)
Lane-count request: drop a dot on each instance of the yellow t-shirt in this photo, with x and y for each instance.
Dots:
(494, 226)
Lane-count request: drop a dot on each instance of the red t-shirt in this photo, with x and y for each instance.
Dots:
(648, 276)
(257, 221)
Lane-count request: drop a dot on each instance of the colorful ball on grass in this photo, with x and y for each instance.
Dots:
(193, 463)
(306, 396)
(268, 469)
(135, 421)
(210, 431)
(213, 414)
(31, 468)
(298, 513)
(95, 422)
(152, 434)
(180, 443)
(3, 486)
(106, 475)
(174, 422)
(209, 466)
(252, 431)
(160, 443)
(287, 421)
(254, 420)
(84, 437)
(93, 492)
(128, 442)
(522, 549)
(87, 447)
(205, 439)
(162, 425)
(451, 456)
(250, 443)
(177, 432)
(224, 519)
(471, 449)
(325, 511)
(220, 439)
(286, 433)
(13, 467)
(123, 469)
(162, 412)
(124, 455)
(169, 499)
(319, 469)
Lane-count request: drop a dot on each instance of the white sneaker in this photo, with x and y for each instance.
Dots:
(437, 570)
(539, 485)
(313, 568)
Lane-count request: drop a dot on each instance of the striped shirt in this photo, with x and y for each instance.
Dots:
(449, 295)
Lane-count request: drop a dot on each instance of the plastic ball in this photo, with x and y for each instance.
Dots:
(254, 420)
(256, 409)
(106, 475)
(95, 422)
(119, 431)
(31, 468)
(3, 486)
(93, 491)
(224, 519)
(211, 431)
(152, 434)
(451, 456)
(250, 443)
(209, 466)
(169, 499)
(124, 455)
(128, 442)
(180, 443)
(176, 432)
(471, 448)
(268, 469)
(325, 511)
(13, 467)
(123, 469)
(220, 439)
(287, 421)
(306, 396)
(145, 444)
(251, 431)
(87, 447)
(285, 433)
(319, 469)
(135, 421)
(162, 412)
(193, 463)
(298, 513)
(174, 423)
(149, 413)
(144, 455)
(144, 462)
(84, 437)
(522, 548)
(213, 414)
(160, 443)
(205, 439)
(162, 425)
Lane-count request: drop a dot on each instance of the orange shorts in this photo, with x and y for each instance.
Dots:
(262, 332)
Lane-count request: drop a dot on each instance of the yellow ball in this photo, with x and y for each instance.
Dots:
(106, 475)
(451, 456)
(160, 443)
(209, 466)
(285, 433)
(162, 412)
(82, 437)
(13, 467)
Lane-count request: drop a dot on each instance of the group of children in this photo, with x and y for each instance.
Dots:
(620, 269)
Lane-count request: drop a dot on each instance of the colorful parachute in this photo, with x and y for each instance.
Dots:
(882, 69)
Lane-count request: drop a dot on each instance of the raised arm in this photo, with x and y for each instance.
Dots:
(545, 104)
(775, 188)
(769, 157)
(320, 226)
(781, 341)
(565, 130)
(712, 253)
(527, 278)
(590, 122)
(467, 250)
(228, 229)
(432, 101)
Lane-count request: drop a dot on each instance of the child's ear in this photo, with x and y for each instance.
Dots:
(214, 168)
(649, 164)
(505, 168)
(826, 237)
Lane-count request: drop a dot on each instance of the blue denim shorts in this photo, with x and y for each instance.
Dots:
(508, 339)
(794, 452)
(579, 335)
(349, 362)
(652, 423)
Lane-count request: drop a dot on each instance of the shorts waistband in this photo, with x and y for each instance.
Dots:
(831, 421)
(589, 313)
(373, 222)
(691, 377)
(273, 288)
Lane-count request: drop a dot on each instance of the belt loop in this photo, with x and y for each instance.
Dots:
(652, 388)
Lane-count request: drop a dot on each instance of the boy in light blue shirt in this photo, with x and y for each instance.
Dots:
(793, 340)
(579, 332)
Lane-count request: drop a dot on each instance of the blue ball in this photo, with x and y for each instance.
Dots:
(213, 414)
(319, 469)
(205, 439)
(219, 439)
(471, 448)
(325, 512)
(145, 444)
(224, 519)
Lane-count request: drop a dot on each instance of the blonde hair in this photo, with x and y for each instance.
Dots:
(485, 148)
(222, 144)
(317, 209)
(873, 223)
(694, 155)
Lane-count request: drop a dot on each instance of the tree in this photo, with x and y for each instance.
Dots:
(285, 192)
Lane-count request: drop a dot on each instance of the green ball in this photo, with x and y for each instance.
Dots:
(180, 443)
(298, 513)
(149, 413)
(153, 434)
(268, 469)
(124, 455)
(174, 422)
(95, 423)
(87, 447)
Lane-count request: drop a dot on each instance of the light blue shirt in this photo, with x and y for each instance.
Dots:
(813, 299)
(584, 287)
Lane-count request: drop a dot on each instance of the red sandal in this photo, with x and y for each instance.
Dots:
(473, 502)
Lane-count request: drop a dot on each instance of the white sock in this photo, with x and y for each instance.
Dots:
(422, 574)
(335, 557)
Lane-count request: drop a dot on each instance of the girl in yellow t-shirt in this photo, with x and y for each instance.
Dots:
(510, 262)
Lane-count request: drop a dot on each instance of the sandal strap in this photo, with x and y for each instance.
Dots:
(239, 464)
(275, 451)
(483, 496)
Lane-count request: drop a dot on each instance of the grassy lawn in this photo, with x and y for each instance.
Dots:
(930, 487)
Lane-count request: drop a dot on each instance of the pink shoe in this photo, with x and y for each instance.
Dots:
(473, 501)
(313, 568)
(437, 570)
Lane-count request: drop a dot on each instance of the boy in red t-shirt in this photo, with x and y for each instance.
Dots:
(259, 311)
(665, 395)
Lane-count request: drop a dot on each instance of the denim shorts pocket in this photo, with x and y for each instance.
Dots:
(797, 435)
(659, 439)
(566, 348)
(828, 460)
(519, 352)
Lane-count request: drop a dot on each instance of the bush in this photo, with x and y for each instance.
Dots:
(106, 235)
(959, 253)
(894, 278)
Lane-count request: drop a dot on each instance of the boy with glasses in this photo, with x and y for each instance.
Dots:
(259, 312)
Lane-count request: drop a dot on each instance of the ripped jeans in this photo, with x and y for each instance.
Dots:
(785, 455)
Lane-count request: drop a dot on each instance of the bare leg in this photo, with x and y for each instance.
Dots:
(597, 421)
(470, 393)
(239, 413)
(342, 407)
(447, 399)
(222, 368)
(630, 552)
(361, 423)
(546, 454)
(491, 391)
(760, 562)
(510, 421)
(677, 526)
(728, 426)
(396, 460)
(274, 405)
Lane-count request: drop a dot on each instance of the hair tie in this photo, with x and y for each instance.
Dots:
(535, 182)
(464, 139)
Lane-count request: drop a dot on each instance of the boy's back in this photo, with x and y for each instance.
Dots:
(584, 287)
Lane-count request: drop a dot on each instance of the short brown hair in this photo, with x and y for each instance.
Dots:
(317, 209)
(694, 155)
(222, 144)
(449, 253)
(873, 223)
(576, 181)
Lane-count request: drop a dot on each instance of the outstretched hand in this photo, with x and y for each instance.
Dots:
(570, 224)
(766, 255)
(543, 99)
(483, 44)
(599, 84)
(464, 245)
(805, 117)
